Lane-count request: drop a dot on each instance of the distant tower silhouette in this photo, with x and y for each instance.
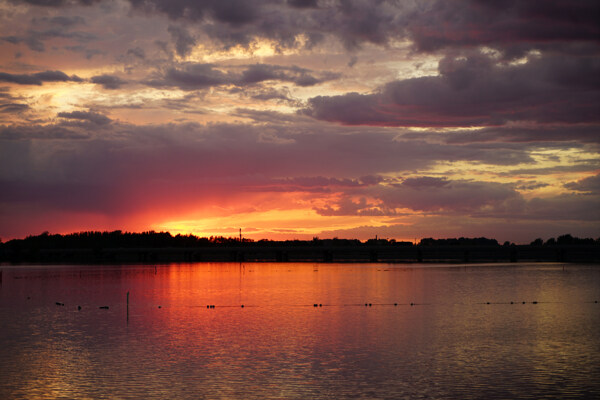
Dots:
(240, 235)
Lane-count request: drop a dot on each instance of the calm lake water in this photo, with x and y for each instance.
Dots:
(167, 344)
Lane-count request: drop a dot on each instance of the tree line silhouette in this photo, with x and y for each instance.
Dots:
(152, 239)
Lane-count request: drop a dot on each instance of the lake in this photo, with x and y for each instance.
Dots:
(305, 331)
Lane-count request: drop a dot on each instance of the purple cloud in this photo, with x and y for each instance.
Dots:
(38, 78)
(93, 117)
(108, 81)
(475, 91)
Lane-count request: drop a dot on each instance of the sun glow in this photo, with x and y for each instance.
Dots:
(273, 224)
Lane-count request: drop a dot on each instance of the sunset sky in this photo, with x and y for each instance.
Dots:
(301, 118)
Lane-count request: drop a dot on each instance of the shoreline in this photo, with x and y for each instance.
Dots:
(250, 252)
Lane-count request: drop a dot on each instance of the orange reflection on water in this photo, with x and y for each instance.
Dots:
(449, 344)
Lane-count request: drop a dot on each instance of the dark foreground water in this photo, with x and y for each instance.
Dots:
(449, 344)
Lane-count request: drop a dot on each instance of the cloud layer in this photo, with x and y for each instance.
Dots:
(301, 118)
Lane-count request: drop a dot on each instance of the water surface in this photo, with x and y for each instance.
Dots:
(426, 331)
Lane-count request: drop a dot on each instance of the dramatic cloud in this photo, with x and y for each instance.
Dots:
(90, 116)
(184, 42)
(514, 26)
(108, 81)
(13, 108)
(475, 91)
(38, 78)
(590, 185)
(194, 76)
(301, 118)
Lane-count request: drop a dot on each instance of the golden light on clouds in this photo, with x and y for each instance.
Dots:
(298, 119)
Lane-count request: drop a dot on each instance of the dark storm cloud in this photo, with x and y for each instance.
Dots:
(221, 150)
(17, 139)
(511, 25)
(89, 53)
(57, 27)
(62, 21)
(273, 94)
(590, 185)
(314, 184)
(58, 3)
(13, 108)
(425, 182)
(33, 42)
(93, 117)
(194, 76)
(137, 52)
(184, 42)
(303, 3)
(234, 22)
(191, 77)
(299, 76)
(38, 78)
(108, 81)
(474, 90)
(527, 186)
(226, 11)
(10, 104)
(267, 116)
(524, 134)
